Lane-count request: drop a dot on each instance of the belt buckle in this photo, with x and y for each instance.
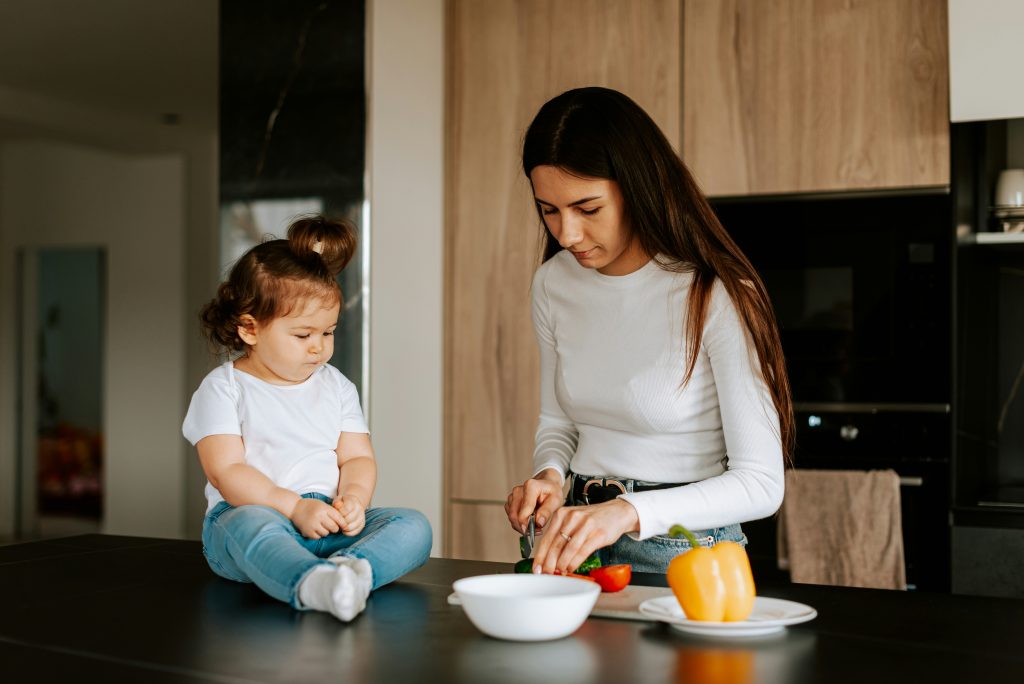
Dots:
(603, 482)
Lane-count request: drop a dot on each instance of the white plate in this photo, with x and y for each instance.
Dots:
(770, 615)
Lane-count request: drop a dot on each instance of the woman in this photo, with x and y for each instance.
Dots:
(664, 394)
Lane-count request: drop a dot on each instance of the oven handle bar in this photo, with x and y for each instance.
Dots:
(832, 407)
(906, 481)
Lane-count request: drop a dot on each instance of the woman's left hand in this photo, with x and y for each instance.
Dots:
(575, 532)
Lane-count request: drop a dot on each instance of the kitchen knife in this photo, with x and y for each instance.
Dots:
(526, 541)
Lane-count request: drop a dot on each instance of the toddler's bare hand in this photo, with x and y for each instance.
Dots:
(315, 519)
(353, 514)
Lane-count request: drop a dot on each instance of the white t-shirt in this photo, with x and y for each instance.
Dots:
(290, 432)
(612, 360)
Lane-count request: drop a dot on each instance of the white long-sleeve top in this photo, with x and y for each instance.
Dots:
(612, 361)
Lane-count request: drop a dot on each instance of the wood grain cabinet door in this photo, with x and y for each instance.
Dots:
(505, 59)
(815, 95)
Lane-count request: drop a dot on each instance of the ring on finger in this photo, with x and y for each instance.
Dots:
(565, 536)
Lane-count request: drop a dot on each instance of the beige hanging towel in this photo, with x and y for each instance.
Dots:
(842, 527)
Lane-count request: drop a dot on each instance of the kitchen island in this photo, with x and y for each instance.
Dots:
(101, 608)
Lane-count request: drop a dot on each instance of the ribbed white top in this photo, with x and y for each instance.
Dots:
(612, 360)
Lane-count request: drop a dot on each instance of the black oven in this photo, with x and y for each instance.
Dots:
(862, 291)
(916, 446)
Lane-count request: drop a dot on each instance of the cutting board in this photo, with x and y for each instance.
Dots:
(620, 605)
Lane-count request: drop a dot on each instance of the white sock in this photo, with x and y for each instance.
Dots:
(339, 589)
(360, 566)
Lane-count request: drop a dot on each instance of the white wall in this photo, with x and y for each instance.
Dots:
(32, 116)
(406, 193)
(54, 194)
(985, 59)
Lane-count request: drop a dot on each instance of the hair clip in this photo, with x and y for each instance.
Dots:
(318, 247)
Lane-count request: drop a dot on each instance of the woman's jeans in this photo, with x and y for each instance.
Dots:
(259, 544)
(654, 553)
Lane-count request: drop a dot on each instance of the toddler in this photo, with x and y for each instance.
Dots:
(282, 439)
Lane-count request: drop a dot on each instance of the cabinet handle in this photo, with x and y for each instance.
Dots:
(839, 407)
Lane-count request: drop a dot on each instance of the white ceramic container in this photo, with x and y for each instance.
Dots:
(525, 607)
(1010, 188)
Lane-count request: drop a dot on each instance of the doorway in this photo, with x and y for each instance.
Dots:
(62, 319)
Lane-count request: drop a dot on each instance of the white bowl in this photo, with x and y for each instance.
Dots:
(526, 607)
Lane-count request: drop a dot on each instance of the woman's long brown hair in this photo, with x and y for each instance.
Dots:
(601, 133)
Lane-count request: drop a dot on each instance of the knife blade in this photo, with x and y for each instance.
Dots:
(527, 540)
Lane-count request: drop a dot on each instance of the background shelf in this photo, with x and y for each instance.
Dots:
(992, 238)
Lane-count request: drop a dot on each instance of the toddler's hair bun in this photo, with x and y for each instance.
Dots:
(317, 236)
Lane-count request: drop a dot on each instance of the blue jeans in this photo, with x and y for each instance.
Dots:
(654, 553)
(261, 545)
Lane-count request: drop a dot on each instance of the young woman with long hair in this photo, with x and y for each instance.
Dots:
(664, 393)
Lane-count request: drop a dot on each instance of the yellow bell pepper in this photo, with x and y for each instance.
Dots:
(713, 584)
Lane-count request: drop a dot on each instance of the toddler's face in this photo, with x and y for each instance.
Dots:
(288, 349)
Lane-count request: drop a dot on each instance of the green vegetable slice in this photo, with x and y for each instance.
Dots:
(588, 565)
(526, 565)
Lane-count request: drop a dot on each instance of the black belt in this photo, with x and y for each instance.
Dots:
(593, 490)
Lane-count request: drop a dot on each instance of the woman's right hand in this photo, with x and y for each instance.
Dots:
(540, 496)
(314, 518)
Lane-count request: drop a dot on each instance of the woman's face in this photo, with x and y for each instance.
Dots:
(587, 217)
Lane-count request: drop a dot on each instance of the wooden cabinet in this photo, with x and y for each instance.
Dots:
(815, 95)
(482, 532)
(506, 58)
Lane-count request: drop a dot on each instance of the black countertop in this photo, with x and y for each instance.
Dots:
(102, 608)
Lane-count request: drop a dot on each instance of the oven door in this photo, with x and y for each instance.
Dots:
(861, 290)
(924, 492)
